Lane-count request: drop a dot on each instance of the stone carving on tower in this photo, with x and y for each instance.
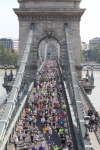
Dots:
(48, 28)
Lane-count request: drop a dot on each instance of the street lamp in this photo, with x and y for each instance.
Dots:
(5, 68)
(5, 77)
(86, 119)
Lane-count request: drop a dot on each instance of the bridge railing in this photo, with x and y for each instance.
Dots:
(23, 99)
(12, 128)
(12, 102)
(90, 105)
(3, 100)
(71, 115)
(88, 101)
(74, 93)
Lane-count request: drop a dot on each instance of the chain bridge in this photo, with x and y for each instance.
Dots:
(49, 30)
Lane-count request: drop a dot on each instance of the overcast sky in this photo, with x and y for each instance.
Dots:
(90, 22)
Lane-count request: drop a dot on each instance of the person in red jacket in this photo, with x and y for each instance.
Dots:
(26, 111)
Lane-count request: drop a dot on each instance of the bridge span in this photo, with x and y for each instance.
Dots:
(64, 90)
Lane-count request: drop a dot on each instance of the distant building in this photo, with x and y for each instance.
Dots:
(10, 43)
(7, 42)
(85, 46)
(15, 44)
(94, 42)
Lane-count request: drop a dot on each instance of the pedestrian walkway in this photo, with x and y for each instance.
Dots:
(44, 120)
(93, 123)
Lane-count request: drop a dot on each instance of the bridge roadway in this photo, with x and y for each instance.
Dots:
(95, 135)
(55, 136)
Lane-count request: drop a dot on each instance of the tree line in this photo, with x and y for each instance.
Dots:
(7, 56)
(91, 55)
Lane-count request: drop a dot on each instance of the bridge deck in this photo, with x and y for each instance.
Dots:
(55, 136)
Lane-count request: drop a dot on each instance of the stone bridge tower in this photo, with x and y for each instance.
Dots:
(49, 17)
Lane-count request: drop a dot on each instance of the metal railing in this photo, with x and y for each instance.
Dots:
(90, 106)
(74, 93)
(12, 102)
(16, 118)
(3, 100)
(23, 97)
(71, 116)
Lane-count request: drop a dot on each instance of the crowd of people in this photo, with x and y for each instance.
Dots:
(47, 111)
(93, 121)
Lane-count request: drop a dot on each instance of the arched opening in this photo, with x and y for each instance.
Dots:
(49, 49)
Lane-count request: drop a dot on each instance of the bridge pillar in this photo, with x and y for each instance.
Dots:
(49, 17)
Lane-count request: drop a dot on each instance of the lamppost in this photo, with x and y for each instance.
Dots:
(5, 69)
(11, 74)
(92, 77)
(86, 119)
(5, 77)
(27, 80)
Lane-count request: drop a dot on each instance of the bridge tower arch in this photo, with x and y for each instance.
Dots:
(49, 49)
(49, 17)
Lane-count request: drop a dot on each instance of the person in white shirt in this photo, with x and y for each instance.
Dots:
(19, 134)
(35, 112)
(36, 95)
(38, 87)
(65, 148)
(15, 142)
(36, 137)
(23, 136)
(34, 121)
(42, 120)
(32, 101)
(93, 117)
(50, 131)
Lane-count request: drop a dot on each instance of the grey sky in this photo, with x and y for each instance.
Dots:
(89, 27)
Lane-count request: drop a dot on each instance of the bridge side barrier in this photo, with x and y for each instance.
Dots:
(12, 100)
(75, 98)
(88, 101)
(23, 96)
(72, 120)
(15, 120)
(3, 98)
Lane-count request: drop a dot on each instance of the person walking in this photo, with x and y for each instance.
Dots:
(63, 140)
(44, 131)
(34, 148)
(32, 135)
(69, 143)
(61, 131)
(96, 123)
(16, 143)
(65, 148)
(55, 147)
(49, 142)
(41, 147)
(23, 136)
(25, 148)
(19, 135)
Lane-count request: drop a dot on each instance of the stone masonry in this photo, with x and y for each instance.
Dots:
(49, 17)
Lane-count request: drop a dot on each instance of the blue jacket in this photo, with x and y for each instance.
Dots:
(34, 148)
(41, 148)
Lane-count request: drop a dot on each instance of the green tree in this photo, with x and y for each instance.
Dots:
(93, 55)
(7, 57)
(82, 56)
(97, 51)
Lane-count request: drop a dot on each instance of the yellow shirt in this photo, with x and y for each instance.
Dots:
(45, 129)
(33, 116)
